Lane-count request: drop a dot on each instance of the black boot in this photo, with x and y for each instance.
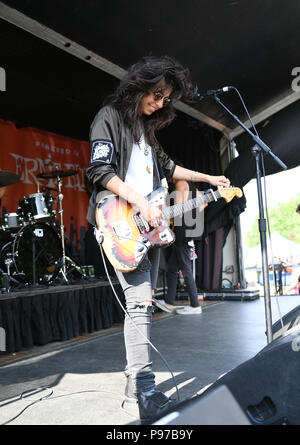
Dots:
(153, 404)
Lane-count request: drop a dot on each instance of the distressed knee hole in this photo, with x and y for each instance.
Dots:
(142, 307)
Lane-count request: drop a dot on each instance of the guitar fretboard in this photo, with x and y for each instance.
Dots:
(182, 207)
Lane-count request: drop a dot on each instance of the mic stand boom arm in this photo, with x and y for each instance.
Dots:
(256, 151)
(256, 139)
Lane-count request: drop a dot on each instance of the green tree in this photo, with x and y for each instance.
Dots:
(283, 219)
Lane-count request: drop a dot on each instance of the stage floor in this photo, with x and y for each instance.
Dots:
(81, 381)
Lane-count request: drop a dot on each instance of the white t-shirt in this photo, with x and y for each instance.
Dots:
(139, 175)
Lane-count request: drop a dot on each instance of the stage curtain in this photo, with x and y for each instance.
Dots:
(209, 260)
(38, 319)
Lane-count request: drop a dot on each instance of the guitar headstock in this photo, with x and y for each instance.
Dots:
(228, 193)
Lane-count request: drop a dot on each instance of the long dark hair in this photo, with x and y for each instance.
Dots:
(142, 78)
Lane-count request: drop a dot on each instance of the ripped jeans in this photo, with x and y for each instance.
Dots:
(137, 287)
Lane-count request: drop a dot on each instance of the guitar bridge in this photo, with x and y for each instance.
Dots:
(141, 223)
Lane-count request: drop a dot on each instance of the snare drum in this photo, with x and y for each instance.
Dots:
(36, 207)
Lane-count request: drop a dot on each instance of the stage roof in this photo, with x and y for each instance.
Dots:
(252, 45)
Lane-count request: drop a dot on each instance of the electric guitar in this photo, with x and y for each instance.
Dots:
(125, 234)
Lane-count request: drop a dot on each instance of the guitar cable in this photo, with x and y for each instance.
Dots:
(100, 240)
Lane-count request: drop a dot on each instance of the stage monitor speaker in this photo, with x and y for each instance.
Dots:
(289, 321)
(217, 408)
(266, 388)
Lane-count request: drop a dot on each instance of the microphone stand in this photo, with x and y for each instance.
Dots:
(257, 153)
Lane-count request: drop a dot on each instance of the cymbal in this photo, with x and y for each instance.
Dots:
(56, 174)
(8, 178)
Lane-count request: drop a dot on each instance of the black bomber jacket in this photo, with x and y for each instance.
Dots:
(111, 146)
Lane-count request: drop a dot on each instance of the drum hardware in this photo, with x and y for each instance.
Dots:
(6, 277)
(33, 237)
(62, 228)
(73, 268)
(8, 263)
(5, 284)
(58, 175)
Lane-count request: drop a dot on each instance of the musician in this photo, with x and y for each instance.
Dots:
(124, 157)
(178, 255)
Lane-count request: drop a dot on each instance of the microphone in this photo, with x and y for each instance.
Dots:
(212, 92)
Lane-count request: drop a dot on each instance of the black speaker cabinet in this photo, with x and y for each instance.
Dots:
(289, 321)
(219, 407)
(265, 388)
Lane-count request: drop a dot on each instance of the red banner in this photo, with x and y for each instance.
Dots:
(29, 152)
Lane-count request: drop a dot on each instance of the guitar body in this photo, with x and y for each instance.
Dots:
(127, 237)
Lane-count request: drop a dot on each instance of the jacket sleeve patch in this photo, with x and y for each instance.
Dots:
(102, 152)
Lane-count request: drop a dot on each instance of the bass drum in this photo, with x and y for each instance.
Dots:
(16, 250)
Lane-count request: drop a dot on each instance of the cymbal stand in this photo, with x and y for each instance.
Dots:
(62, 228)
(6, 276)
(33, 259)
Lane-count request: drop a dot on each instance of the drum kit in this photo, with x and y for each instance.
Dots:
(32, 240)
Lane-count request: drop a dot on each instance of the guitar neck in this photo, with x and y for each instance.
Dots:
(186, 206)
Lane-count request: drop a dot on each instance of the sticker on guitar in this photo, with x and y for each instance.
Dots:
(123, 231)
